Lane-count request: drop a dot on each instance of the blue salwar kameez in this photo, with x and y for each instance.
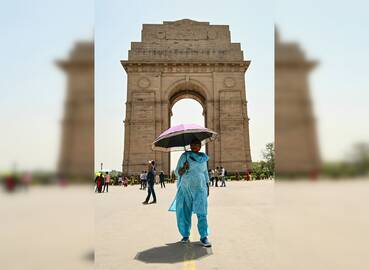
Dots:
(192, 193)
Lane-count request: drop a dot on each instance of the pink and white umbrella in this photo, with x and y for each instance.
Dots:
(178, 138)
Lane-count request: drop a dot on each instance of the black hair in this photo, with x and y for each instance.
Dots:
(196, 141)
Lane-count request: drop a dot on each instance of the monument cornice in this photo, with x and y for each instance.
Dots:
(74, 64)
(296, 63)
(187, 67)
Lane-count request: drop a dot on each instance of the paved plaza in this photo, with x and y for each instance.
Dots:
(257, 225)
(47, 227)
(135, 236)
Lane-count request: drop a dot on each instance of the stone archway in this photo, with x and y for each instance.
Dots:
(182, 59)
(186, 90)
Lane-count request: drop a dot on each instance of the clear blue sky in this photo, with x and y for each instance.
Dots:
(33, 35)
(336, 34)
(120, 22)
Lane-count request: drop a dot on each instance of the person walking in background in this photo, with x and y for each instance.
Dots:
(216, 176)
(145, 180)
(150, 183)
(10, 182)
(162, 179)
(125, 181)
(173, 177)
(211, 177)
(96, 179)
(106, 182)
(26, 179)
(222, 176)
(120, 180)
(142, 178)
(247, 176)
(99, 182)
(157, 179)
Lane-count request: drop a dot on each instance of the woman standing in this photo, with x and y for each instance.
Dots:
(192, 192)
(99, 182)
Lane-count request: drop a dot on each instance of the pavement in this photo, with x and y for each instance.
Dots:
(257, 225)
(47, 227)
(130, 235)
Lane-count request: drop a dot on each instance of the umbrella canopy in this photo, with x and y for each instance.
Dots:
(179, 137)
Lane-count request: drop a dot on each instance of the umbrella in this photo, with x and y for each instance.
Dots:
(179, 137)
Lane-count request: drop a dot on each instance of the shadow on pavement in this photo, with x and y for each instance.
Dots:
(173, 253)
(89, 256)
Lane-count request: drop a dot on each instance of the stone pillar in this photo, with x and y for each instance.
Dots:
(76, 158)
(142, 123)
(210, 125)
(165, 126)
(296, 145)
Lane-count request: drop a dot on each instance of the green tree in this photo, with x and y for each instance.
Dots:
(114, 177)
(260, 170)
(359, 156)
(269, 156)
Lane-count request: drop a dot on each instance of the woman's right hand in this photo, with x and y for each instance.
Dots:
(184, 168)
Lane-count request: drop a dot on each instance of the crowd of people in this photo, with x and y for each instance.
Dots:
(103, 180)
(148, 178)
(12, 181)
(218, 174)
(159, 178)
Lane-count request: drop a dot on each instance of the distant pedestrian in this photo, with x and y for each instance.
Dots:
(96, 178)
(216, 176)
(26, 180)
(142, 178)
(248, 176)
(106, 182)
(10, 182)
(173, 177)
(211, 177)
(222, 176)
(145, 180)
(125, 181)
(162, 179)
(99, 182)
(151, 173)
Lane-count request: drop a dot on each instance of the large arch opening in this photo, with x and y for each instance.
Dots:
(186, 109)
(187, 104)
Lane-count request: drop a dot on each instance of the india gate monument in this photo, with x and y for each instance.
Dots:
(186, 59)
